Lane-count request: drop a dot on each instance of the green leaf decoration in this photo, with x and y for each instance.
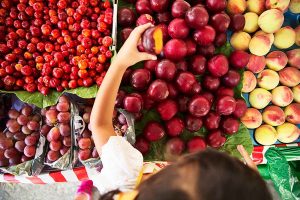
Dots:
(226, 49)
(148, 115)
(187, 135)
(84, 92)
(239, 87)
(36, 98)
(241, 137)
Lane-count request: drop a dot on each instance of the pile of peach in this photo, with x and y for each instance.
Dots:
(279, 85)
(264, 20)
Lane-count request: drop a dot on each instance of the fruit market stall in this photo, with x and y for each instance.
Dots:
(227, 74)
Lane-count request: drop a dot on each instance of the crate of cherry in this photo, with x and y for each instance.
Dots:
(21, 147)
(49, 46)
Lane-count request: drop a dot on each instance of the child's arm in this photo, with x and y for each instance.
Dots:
(102, 112)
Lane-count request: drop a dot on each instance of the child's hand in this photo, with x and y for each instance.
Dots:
(129, 54)
(249, 162)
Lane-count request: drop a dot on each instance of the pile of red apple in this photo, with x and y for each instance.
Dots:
(18, 142)
(189, 79)
(55, 44)
(57, 129)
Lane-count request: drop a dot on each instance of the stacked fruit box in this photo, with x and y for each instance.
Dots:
(209, 53)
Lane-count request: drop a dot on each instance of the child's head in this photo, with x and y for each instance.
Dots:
(207, 175)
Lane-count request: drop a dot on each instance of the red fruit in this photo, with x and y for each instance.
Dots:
(237, 22)
(164, 17)
(107, 41)
(159, 5)
(158, 90)
(231, 79)
(126, 17)
(220, 22)
(125, 33)
(178, 29)
(223, 91)
(55, 145)
(199, 106)
(167, 109)
(175, 49)
(191, 47)
(173, 92)
(211, 83)
(212, 120)
(216, 5)
(9, 80)
(165, 69)
(240, 108)
(179, 8)
(174, 147)
(182, 65)
(153, 131)
(198, 64)
(220, 39)
(185, 82)
(218, 65)
(150, 65)
(225, 105)
(196, 144)
(196, 17)
(86, 43)
(204, 36)
(144, 19)
(230, 125)
(142, 145)
(239, 59)
(53, 155)
(140, 78)
(143, 7)
(58, 72)
(193, 124)
(215, 139)
(26, 70)
(84, 143)
(132, 104)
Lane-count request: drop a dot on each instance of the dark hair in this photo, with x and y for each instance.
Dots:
(206, 175)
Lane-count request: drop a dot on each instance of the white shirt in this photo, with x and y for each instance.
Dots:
(122, 164)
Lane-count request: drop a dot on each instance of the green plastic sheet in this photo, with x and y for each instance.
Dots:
(284, 175)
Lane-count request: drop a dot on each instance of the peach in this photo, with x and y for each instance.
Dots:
(281, 5)
(249, 82)
(294, 6)
(271, 20)
(273, 115)
(260, 45)
(265, 135)
(252, 118)
(251, 22)
(294, 58)
(270, 35)
(287, 133)
(289, 76)
(240, 40)
(260, 98)
(297, 30)
(282, 96)
(296, 93)
(236, 6)
(292, 113)
(257, 6)
(256, 63)
(285, 37)
(268, 79)
(276, 60)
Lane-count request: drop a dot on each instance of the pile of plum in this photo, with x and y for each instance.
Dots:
(19, 140)
(190, 85)
(55, 44)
